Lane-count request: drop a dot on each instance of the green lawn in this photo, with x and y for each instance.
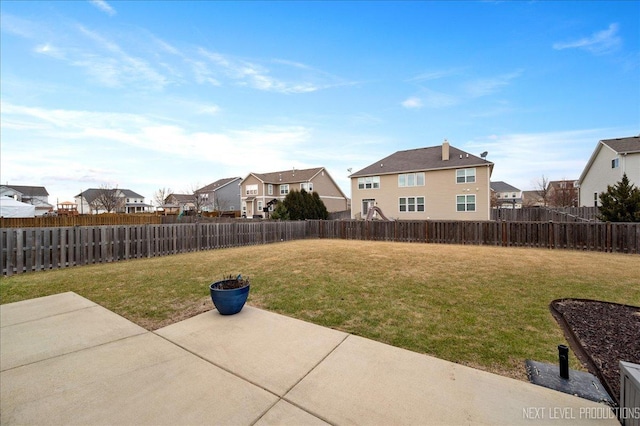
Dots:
(486, 307)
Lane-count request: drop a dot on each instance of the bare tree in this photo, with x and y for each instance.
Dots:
(107, 199)
(161, 195)
(564, 194)
(543, 189)
(200, 199)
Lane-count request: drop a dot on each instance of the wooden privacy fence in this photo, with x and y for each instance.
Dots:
(35, 249)
(592, 236)
(545, 214)
(81, 220)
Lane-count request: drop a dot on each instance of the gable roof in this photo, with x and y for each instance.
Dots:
(289, 176)
(501, 186)
(181, 198)
(92, 193)
(422, 159)
(33, 191)
(217, 184)
(624, 145)
(627, 145)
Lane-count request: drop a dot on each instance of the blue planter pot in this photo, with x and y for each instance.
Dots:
(228, 302)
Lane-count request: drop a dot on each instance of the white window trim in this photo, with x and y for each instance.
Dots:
(466, 203)
(466, 175)
(251, 189)
(405, 177)
(415, 204)
(374, 181)
(284, 189)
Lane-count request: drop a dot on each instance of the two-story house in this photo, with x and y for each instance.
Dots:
(506, 196)
(610, 160)
(438, 182)
(179, 203)
(110, 200)
(258, 190)
(37, 196)
(221, 195)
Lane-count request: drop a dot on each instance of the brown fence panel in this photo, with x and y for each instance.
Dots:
(34, 249)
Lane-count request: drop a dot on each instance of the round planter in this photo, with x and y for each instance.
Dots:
(228, 302)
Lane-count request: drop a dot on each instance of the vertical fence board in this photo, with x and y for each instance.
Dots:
(35, 249)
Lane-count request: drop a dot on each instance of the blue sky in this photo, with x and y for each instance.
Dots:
(147, 95)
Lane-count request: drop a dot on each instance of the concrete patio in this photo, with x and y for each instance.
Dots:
(66, 360)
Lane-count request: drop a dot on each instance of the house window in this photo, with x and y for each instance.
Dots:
(465, 175)
(615, 163)
(259, 205)
(284, 189)
(307, 186)
(252, 190)
(466, 203)
(270, 189)
(411, 204)
(369, 182)
(411, 179)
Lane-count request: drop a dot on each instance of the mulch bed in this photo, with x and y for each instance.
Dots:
(601, 334)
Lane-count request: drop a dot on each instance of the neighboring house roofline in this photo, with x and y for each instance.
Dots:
(617, 146)
(287, 176)
(33, 191)
(501, 186)
(220, 183)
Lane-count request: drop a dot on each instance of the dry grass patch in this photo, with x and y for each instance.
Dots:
(485, 307)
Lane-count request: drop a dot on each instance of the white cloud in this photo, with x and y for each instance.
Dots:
(85, 148)
(49, 50)
(103, 6)
(412, 103)
(604, 41)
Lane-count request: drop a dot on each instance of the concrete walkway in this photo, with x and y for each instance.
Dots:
(66, 360)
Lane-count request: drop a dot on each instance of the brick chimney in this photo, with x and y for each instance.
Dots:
(445, 150)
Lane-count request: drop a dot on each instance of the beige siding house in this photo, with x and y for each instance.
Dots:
(258, 190)
(439, 182)
(610, 160)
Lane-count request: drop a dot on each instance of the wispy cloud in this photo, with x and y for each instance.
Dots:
(115, 67)
(487, 86)
(103, 6)
(457, 92)
(412, 103)
(600, 42)
(49, 50)
(260, 76)
(436, 75)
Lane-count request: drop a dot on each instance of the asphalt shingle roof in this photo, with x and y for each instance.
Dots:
(622, 145)
(217, 184)
(289, 176)
(501, 186)
(33, 191)
(421, 159)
